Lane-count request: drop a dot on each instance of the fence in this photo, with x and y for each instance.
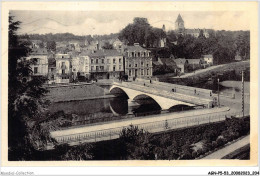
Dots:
(167, 94)
(157, 126)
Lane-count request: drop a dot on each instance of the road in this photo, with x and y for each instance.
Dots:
(229, 149)
(186, 75)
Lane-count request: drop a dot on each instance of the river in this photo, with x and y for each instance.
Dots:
(101, 110)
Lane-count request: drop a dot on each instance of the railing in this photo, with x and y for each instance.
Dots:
(158, 126)
(166, 94)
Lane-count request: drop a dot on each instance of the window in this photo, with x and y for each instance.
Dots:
(135, 65)
(114, 61)
(114, 68)
(92, 61)
(142, 72)
(63, 71)
(92, 68)
(96, 61)
(130, 65)
(119, 60)
(119, 67)
(147, 71)
(147, 65)
(102, 61)
(35, 70)
(96, 68)
(142, 63)
(129, 72)
(101, 68)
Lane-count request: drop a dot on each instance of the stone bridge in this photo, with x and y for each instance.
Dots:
(164, 98)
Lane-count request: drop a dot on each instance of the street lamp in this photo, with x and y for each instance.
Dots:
(218, 94)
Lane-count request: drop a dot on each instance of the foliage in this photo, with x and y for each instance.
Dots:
(107, 45)
(51, 45)
(26, 106)
(223, 45)
(141, 32)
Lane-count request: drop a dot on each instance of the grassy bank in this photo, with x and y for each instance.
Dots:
(231, 71)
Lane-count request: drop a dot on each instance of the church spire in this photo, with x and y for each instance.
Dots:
(179, 19)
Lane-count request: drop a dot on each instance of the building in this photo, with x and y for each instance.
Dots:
(85, 60)
(195, 63)
(138, 62)
(118, 45)
(51, 70)
(179, 25)
(208, 59)
(180, 29)
(106, 64)
(39, 56)
(63, 68)
(182, 64)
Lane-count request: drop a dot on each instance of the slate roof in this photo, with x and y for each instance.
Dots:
(39, 51)
(179, 19)
(136, 48)
(194, 61)
(100, 53)
(180, 61)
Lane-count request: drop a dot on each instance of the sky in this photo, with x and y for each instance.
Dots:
(106, 22)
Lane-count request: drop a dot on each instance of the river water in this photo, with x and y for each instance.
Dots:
(100, 110)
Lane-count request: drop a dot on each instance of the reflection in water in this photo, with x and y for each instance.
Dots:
(102, 110)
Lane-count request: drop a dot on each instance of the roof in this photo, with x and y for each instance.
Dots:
(85, 53)
(100, 53)
(180, 61)
(194, 61)
(156, 63)
(39, 51)
(136, 48)
(179, 19)
(59, 56)
(167, 61)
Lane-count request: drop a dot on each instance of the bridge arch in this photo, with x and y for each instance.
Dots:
(146, 99)
(163, 102)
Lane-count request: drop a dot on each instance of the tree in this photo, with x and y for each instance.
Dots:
(26, 105)
(51, 45)
(107, 45)
(136, 143)
(141, 32)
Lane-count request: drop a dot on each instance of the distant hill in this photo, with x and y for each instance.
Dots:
(59, 37)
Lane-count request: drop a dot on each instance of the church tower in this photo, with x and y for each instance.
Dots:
(179, 25)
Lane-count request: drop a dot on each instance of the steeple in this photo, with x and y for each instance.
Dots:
(179, 25)
(179, 19)
(163, 28)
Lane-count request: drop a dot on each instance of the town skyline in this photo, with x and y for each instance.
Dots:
(105, 22)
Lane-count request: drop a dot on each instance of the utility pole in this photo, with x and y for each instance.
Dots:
(243, 101)
(218, 94)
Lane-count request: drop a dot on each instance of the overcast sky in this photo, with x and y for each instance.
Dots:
(106, 22)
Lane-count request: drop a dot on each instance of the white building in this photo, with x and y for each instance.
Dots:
(40, 64)
(208, 59)
(63, 70)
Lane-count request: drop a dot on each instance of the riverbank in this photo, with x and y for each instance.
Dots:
(231, 71)
(75, 92)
